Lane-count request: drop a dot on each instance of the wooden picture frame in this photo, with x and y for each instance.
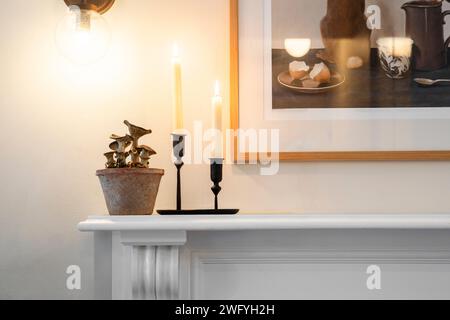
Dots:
(412, 155)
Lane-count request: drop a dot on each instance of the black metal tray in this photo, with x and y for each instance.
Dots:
(211, 212)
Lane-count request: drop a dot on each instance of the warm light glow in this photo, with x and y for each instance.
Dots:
(297, 47)
(217, 88)
(396, 46)
(175, 51)
(83, 36)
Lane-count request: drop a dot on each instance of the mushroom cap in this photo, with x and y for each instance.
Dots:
(149, 151)
(124, 139)
(135, 131)
(114, 146)
(110, 154)
(121, 143)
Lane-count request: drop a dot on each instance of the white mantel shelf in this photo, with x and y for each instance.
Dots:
(267, 222)
(246, 257)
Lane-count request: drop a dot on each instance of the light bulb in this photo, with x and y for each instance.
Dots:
(297, 47)
(83, 36)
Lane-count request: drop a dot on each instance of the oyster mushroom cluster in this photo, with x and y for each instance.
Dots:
(124, 147)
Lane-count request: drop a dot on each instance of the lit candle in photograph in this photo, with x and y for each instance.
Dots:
(297, 47)
(178, 122)
(217, 122)
(395, 56)
(396, 46)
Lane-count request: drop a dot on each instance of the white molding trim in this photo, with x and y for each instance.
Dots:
(200, 259)
(267, 222)
(326, 256)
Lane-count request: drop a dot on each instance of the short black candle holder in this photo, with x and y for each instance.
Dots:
(216, 178)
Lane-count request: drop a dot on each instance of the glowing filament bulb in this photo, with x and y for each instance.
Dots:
(83, 36)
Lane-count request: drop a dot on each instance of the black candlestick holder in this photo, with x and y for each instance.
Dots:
(179, 145)
(216, 178)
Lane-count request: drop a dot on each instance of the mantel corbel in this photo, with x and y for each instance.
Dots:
(154, 263)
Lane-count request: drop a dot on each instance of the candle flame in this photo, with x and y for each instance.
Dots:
(175, 50)
(217, 88)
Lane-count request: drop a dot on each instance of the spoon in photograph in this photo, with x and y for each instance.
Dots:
(429, 82)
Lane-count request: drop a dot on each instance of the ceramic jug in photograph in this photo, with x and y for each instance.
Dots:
(425, 25)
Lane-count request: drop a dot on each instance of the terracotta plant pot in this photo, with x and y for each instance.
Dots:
(130, 191)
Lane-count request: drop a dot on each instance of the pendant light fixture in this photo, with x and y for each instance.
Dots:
(83, 35)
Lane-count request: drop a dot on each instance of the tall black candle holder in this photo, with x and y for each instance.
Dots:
(216, 177)
(179, 145)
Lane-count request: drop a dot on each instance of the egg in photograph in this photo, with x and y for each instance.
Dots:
(298, 70)
(320, 73)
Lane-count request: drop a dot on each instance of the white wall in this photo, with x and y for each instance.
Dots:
(55, 119)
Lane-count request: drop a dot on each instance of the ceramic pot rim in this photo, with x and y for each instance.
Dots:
(130, 171)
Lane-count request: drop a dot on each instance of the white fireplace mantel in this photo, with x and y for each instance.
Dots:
(267, 222)
(189, 257)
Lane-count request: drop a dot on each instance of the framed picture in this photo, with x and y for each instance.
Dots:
(336, 79)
